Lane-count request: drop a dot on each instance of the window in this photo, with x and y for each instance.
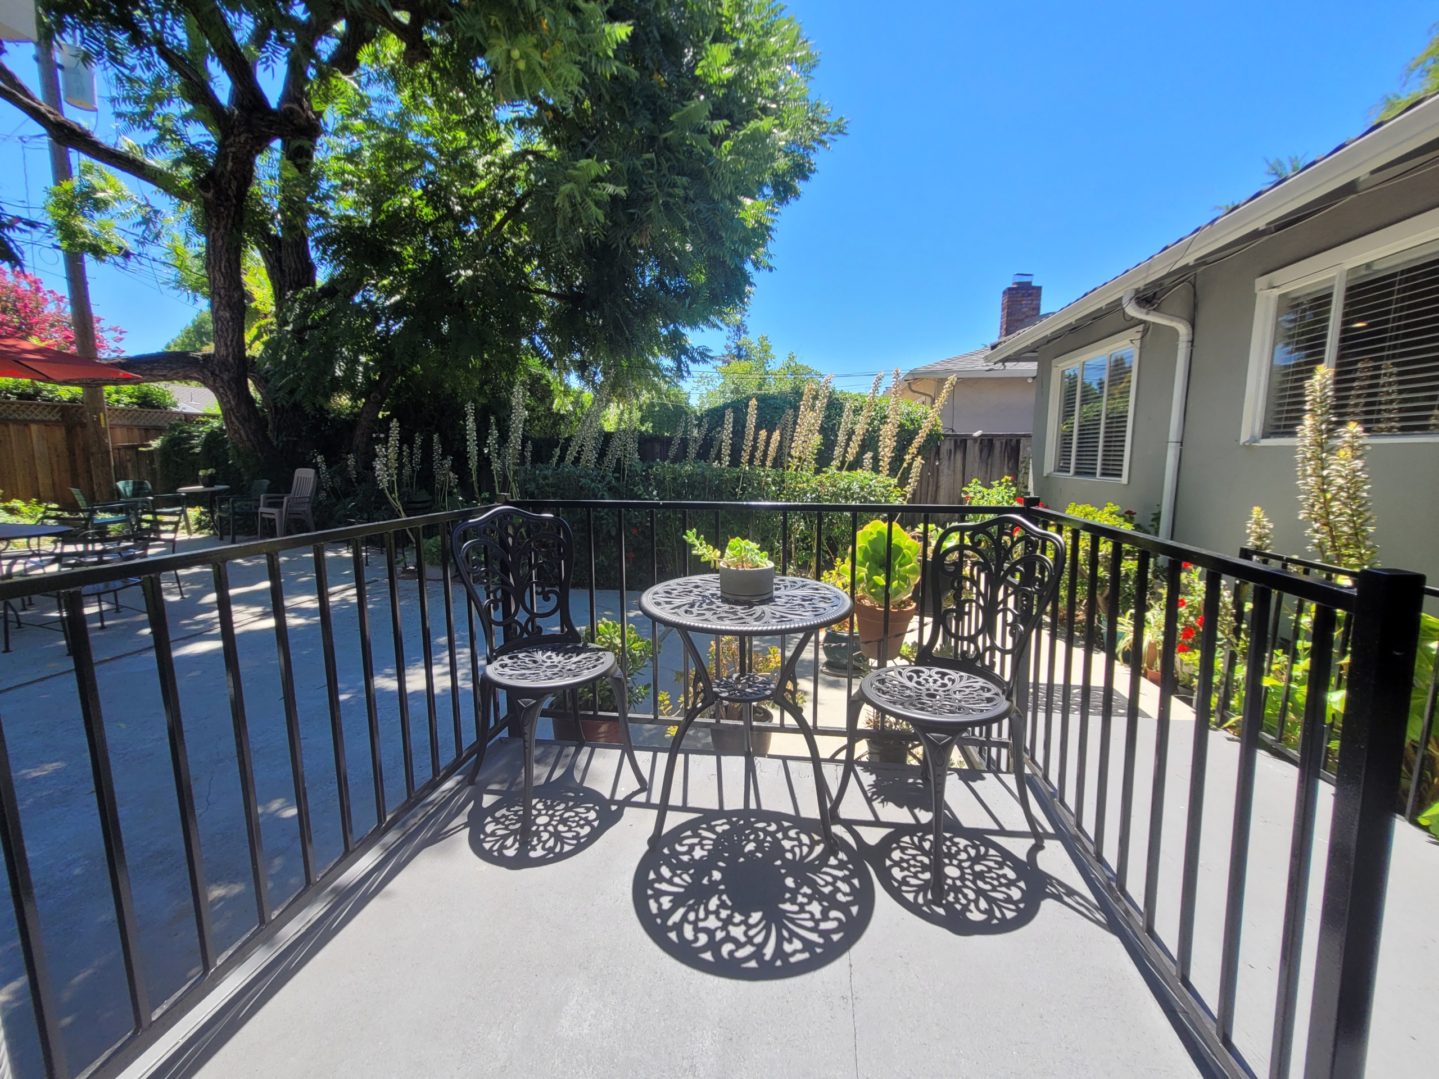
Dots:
(1373, 319)
(1091, 421)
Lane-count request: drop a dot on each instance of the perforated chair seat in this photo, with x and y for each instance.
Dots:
(549, 668)
(936, 697)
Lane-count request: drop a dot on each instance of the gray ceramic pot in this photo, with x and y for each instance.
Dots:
(746, 585)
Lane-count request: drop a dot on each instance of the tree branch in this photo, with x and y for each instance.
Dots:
(79, 138)
(245, 87)
(168, 366)
(198, 85)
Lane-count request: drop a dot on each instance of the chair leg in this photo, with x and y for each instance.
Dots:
(1016, 753)
(856, 706)
(483, 742)
(529, 717)
(937, 751)
(573, 697)
(622, 706)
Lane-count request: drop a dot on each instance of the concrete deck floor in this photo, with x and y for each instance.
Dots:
(732, 949)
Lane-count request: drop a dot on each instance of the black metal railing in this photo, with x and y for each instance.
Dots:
(309, 742)
(1145, 635)
(1421, 774)
(1157, 676)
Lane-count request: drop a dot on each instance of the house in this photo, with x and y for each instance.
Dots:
(988, 398)
(1174, 389)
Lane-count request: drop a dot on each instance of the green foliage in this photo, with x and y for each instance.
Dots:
(24, 510)
(749, 368)
(886, 562)
(633, 651)
(739, 553)
(1420, 80)
(198, 334)
(133, 395)
(186, 448)
(1002, 492)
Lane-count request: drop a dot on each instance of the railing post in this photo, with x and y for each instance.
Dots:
(1366, 791)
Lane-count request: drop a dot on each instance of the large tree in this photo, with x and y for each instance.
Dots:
(448, 186)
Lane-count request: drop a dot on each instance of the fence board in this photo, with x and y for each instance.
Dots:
(957, 459)
(40, 454)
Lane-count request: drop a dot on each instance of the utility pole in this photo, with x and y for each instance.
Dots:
(95, 430)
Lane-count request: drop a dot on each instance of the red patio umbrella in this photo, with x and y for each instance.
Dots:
(23, 359)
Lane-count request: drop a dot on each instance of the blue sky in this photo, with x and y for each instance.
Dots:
(1065, 140)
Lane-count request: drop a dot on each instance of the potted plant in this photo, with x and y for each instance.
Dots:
(887, 567)
(207, 477)
(724, 660)
(842, 653)
(632, 651)
(746, 572)
(433, 554)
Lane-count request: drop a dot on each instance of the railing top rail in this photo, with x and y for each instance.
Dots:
(1313, 589)
(1430, 590)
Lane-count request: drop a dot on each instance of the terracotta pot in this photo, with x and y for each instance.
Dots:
(602, 730)
(728, 737)
(869, 620)
(842, 651)
(886, 749)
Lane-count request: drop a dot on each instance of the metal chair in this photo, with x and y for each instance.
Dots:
(989, 583)
(101, 514)
(241, 505)
(140, 494)
(516, 568)
(298, 504)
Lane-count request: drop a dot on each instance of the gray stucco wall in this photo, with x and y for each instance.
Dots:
(1221, 477)
(1153, 388)
(995, 406)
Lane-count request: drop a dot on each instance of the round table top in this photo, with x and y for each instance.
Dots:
(14, 530)
(213, 489)
(694, 604)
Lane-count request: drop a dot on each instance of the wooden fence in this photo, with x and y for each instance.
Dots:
(41, 453)
(957, 459)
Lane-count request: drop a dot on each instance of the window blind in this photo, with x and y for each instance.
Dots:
(1386, 358)
(1091, 437)
(1386, 366)
(1301, 336)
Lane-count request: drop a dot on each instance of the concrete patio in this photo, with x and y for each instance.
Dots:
(734, 948)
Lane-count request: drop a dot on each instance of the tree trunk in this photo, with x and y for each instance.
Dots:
(370, 412)
(224, 190)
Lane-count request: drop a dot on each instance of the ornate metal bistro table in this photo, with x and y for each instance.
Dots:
(693, 605)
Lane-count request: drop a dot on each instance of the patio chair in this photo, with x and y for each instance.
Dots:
(516, 568)
(102, 515)
(989, 583)
(297, 505)
(233, 507)
(154, 531)
(139, 493)
(17, 561)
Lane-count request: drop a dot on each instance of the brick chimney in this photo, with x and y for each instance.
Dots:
(1019, 305)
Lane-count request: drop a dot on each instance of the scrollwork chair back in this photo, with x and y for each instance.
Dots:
(989, 582)
(516, 567)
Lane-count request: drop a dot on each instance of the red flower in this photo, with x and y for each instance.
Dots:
(1041, 505)
(1186, 565)
(1199, 621)
(1181, 602)
(1188, 633)
(1182, 647)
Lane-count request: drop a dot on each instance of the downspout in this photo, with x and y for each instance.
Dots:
(1134, 309)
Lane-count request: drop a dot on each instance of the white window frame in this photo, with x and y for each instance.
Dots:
(1130, 340)
(1332, 265)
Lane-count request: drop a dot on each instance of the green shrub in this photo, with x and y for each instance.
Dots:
(138, 395)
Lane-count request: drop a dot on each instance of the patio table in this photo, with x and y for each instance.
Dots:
(692, 605)
(213, 492)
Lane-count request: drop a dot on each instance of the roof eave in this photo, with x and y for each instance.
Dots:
(1402, 135)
